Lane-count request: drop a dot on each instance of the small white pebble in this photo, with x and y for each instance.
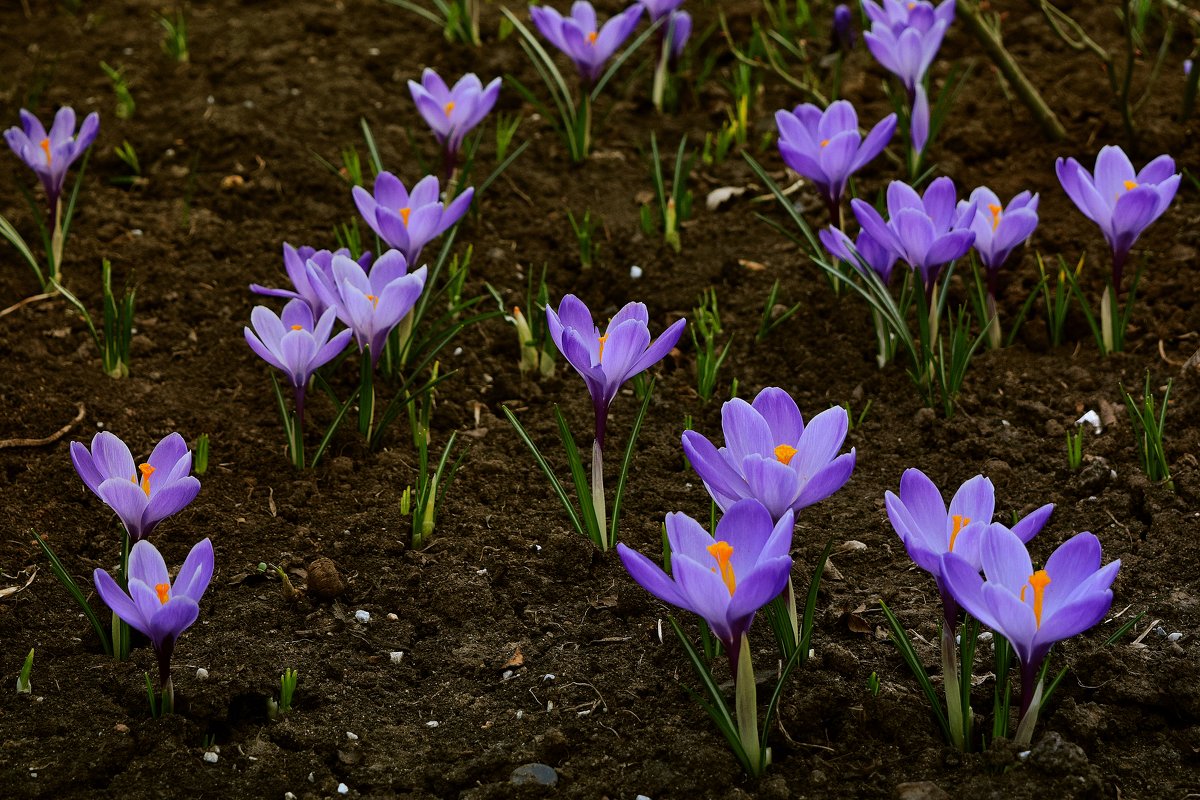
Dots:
(136, 232)
(1005, 423)
(33, 774)
(362, 616)
(635, 272)
(1024, 754)
(433, 723)
(549, 706)
(458, 351)
(547, 677)
(201, 674)
(1174, 637)
(100, 425)
(520, 713)
(128, 51)
(289, 796)
(343, 789)
(537, 548)
(397, 656)
(481, 571)
(1091, 418)
(352, 736)
(508, 673)
(312, 777)
(211, 758)
(986, 636)
(372, 51)
(641, 797)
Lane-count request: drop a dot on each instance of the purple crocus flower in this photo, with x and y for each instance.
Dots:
(925, 232)
(826, 147)
(879, 258)
(406, 221)
(771, 456)
(626, 343)
(143, 495)
(154, 605)
(584, 41)
(370, 305)
(726, 577)
(295, 260)
(453, 112)
(51, 154)
(843, 28)
(657, 9)
(1123, 203)
(999, 230)
(905, 37)
(1031, 608)
(679, 29)
(293, 343)
(929, 531)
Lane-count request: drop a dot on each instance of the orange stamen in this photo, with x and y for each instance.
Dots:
(784, 453)
(163, 590)
(1039, 581)
(591, 37)
(960, 522)
(404, 212)
(448, 107)
(824, 142)
(995, 209)
(374, 300)
(297, 327)
(722, 551)
(146, 471)
(600, 355)
(46, 146)
(1130, 185)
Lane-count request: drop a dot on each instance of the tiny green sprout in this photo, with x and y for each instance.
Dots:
(733, 388)
(262, 566)
(200, 455)
(856, 422)
(208, 740)
(873, 684)
(155, 707)
(406, 501)
(23, 684)
(674, 206)
(285, 586)
(351, 166)
(585, 234)
(125, 102)
(129, 157)
(506, 129)
(1075, 448)
(115, 335)
(287, 689)
(1149, 423)
(175, 41)
(706, 326)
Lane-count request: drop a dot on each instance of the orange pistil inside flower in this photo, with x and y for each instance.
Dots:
(1130, 185)
(448, 107)
(1039, 581)
(374, 300)
(995, 209)
(600, 355)
(722, 552)
(404, 212)
(960, 522)
(824, 143)
(163, 590)
(784, 453)
(297, 327)
(591, 37)
(146, 471)
(45, 145)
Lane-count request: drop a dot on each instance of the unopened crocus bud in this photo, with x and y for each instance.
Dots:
(529, 352)
(843, 28)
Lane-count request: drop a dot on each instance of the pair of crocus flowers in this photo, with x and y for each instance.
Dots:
(1032, 609)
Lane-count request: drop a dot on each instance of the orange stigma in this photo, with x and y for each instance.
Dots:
(163, 590)
(824, 143)
(995, 209)
(591, 37)
(1130, 185)
(404, 212)
(374, 300)
(600, 355)
(722, 551)
(146, 471)
(297, 327)
(784, 453)
(960, 522)
(1039, 581)
(45, 145)
(448, 107)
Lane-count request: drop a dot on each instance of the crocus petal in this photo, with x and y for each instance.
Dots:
(1005, 559)
(826, 480)
(170, 500)
(111, 457)
(176, 616)
(196, 571)
(876, 140)
(781, 414)
(975, 500)
(1028, 527)
(772, 483)
(746, 432)
(119, 602)
(758, 588)
(649, 575)
(719, 478)
(659, 348)
(964, 583)
(127, 499)
(146, 564)
(82, 460)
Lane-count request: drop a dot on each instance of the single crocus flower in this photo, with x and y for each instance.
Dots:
(370, 305)
(606, 361)
(157, 607)
(295, 260)
(843, 28)
(679, 29)
(406, 221)
(929, 531)
(1123, 203)
(905, 37)
(453, 112)
(295, 344)
(998, 229)
(725, 578)
(880, 259)
(657, 9)
(771, 455)
(580, 36)
(926, 231)
(51, 154)
(1031, 608)
(826, 147)
(143, 495)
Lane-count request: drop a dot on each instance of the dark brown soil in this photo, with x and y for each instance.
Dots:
(598, 696)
